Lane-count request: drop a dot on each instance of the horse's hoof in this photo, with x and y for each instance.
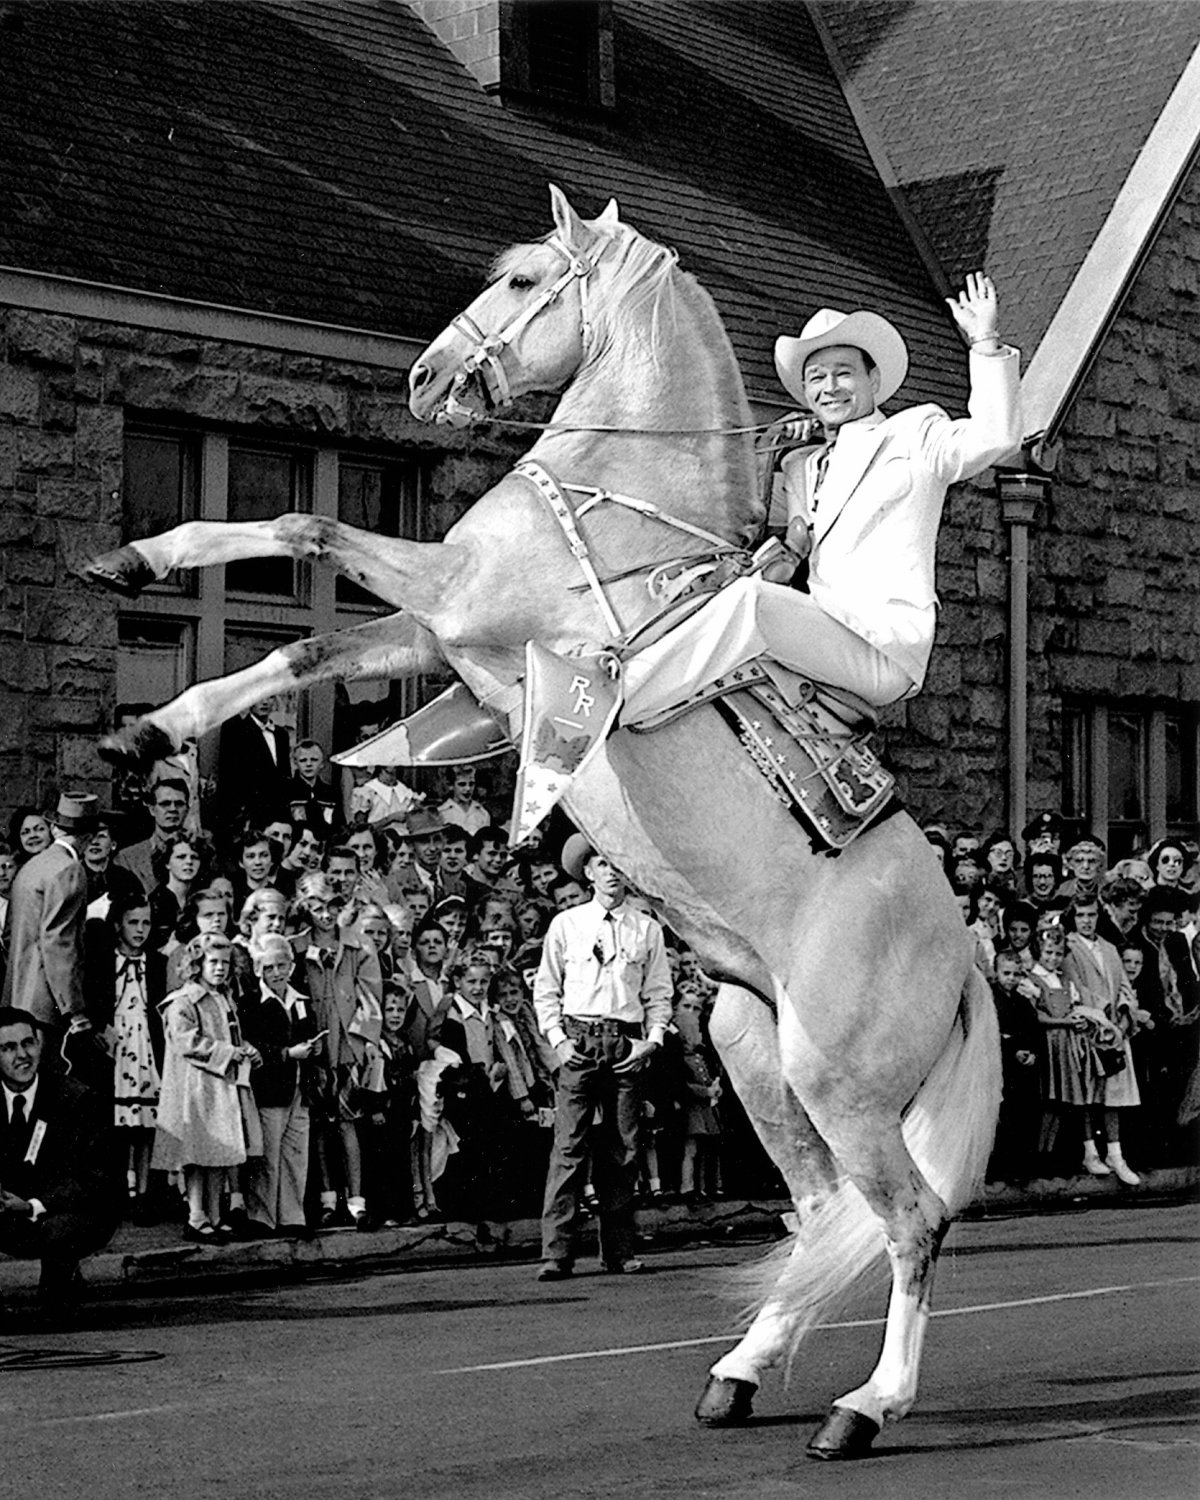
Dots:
(138, 745)
(725, 1403)
(125, 571)
(843, 1434)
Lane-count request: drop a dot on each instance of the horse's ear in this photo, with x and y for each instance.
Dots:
(566, 220)
(611, 216)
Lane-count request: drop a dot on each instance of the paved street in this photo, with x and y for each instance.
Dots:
(1062, 1362)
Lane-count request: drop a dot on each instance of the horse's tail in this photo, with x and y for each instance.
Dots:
(948, 1129)
(951, 1124)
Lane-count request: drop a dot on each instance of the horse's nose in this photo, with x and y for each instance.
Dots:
(419, 376)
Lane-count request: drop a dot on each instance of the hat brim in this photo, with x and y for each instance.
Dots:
(863, 330)
(575, 855)
(77, 825)
(423, 829)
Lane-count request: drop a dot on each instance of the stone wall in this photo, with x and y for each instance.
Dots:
(66, 386)
(1115, 596)
(1114, 603)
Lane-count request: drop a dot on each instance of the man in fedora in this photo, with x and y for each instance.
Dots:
(863, 508)
(424, 829)
(48, 911)
(603, 1002)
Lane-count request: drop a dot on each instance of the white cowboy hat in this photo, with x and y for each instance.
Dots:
(575, 854)
(860, 330)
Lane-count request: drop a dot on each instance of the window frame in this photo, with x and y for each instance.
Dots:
(1086, 724)
(517, 18)
(203, 605)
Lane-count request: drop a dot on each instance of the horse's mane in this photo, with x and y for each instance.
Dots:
(642, 276)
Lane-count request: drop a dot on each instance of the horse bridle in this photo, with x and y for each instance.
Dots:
(485, 357)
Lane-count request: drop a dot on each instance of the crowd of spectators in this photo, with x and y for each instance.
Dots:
(1095, 969)
(318, 1012)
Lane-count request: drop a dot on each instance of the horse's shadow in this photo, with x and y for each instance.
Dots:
(1042, 1422)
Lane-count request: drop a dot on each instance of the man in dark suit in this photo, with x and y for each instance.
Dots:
(168, 801)
(58, 1189)
(253, 768)
(49, 904)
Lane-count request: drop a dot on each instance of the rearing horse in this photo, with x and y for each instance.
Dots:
(850, 1018)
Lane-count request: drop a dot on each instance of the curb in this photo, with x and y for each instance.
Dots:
(177, 1266)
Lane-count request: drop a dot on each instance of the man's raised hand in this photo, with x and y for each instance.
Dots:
(976, 309)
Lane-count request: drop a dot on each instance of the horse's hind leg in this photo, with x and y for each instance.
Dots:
(394, 646)
(914, 1221)
(745, 1033)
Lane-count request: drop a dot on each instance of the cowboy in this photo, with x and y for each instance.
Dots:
(603, 1002)
(863, 509)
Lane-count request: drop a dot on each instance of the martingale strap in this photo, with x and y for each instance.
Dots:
(552, 493)
(665, 581)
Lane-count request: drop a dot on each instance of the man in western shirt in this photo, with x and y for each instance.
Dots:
(603, 1001)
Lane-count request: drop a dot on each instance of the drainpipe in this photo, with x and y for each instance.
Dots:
(1022, 495)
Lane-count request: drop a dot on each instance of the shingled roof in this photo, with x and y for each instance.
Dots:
(1012, 128)
(333, 162)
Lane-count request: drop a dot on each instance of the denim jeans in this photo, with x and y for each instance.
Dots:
(597, 1111)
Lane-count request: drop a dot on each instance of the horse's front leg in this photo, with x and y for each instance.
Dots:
(403, 573)
(201, 544)
(393, 647)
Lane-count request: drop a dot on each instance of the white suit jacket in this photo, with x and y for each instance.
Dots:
(876, 520)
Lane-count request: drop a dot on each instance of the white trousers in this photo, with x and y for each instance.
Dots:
(278, 1178)
(753, 618)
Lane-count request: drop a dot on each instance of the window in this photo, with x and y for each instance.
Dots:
(1130, 772)
(265, 483)
(379, 498)
(244, 646)
(559, 50)
(155, 660)
(161, 490)
(1179, 748)
(1128, 801)
(1077, 767)
(207, 622)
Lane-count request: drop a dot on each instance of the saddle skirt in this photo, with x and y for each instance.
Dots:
(810, 741)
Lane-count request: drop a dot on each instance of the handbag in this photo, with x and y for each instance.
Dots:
(1110, 1058)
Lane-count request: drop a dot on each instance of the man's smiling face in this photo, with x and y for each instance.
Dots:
(838, 386)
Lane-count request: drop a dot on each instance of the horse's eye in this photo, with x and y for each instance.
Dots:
(520, 283)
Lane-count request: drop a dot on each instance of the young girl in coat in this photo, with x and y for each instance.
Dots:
(341, 977)
(1073, 1079)
(207, 1120)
